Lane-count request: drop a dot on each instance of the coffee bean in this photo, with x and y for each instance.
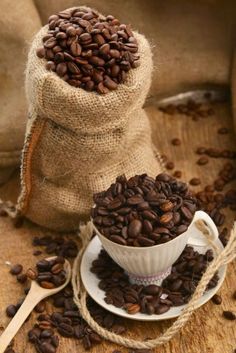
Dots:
(11, 310)
(216, 299)
(161, 309)
(117, 239)
(21, 278)
(40, 307)
(229, 315)
(166, 218)
(170, 165)
(223, 130)
(134, 228)
(176, 142)
(201, 150)
(40, 52)
(65, 330)
(152, 289)
(16, 269)
(202, 161)
(47, 347)
(132, 308)
(31, 274)
(195, 181)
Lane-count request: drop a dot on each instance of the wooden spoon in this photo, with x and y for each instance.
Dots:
(35, 295)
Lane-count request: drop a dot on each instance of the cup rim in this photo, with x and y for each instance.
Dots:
(140, 248)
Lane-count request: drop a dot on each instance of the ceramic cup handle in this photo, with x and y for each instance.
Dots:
(196, 237)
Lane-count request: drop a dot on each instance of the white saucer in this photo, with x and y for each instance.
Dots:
(90, 282)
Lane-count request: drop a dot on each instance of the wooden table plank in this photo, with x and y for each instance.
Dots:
(207, 331)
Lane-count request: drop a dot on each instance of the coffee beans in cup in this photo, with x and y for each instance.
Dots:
(143, 211)
(88, 50)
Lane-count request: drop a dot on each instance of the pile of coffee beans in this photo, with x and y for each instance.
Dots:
(176, 289)
(196, 110)
(64, 318)
(49, 273)
(143, 211)
(68, 323)
(60, 246)
(216, 153)
(89, 51)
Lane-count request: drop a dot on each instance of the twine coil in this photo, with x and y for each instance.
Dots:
(222, 258)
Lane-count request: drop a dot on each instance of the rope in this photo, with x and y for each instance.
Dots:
(80, 295)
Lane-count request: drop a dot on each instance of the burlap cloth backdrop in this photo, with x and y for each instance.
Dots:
(80, 295)
(18, 22)
(78, 142)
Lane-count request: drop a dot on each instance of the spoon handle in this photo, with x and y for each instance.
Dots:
(15, 324)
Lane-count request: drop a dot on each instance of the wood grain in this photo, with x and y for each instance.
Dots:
(207, 331)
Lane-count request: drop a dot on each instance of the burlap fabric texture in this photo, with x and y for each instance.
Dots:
(78, 142)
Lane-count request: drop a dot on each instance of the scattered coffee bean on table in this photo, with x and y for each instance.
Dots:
(195, 181)
(191, 108)
(216, 299)
(176, 289)
(223, 131)
(59, 245)
(142, 211)
(202, 161)
(89, 51)
(170, 165)
(177, 174)
(11, 310)
(16, 269)
(229, 315)
(176, 142)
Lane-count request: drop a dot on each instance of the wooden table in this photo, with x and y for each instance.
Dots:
(207, 331)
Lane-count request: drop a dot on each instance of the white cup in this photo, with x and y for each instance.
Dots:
(152, 264)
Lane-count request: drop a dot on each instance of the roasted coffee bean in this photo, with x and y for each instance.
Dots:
(202, 161)
(134, 228)
(223, 130)
(40, 307)
(21, 278)
(195, 181)
(75, 39)
(152, 289)
(176, 142)
(169, 165)
(132, 308)
(117, 239)
(65, 330)
(216, 299)
(11, 310)
(177, 174)
(32, 274)
(161, 309)
(229, 315)
(16, 269)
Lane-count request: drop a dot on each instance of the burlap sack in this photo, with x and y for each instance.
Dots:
(78, 142)
(18, 23)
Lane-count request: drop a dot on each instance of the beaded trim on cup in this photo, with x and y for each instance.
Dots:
(146, 280)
